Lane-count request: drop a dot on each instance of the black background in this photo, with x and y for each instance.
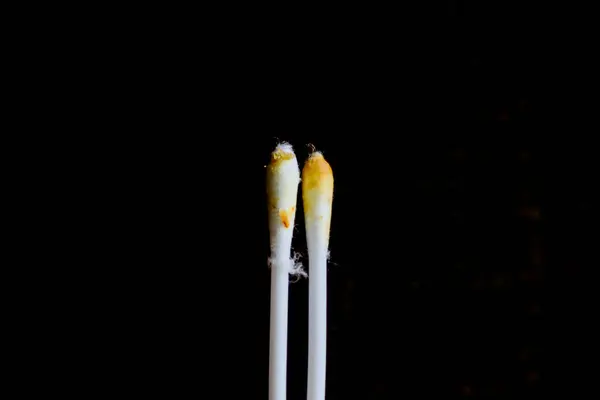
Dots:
(447, 206)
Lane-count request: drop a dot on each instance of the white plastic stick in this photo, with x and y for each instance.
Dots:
(283, 176)
(317, 194)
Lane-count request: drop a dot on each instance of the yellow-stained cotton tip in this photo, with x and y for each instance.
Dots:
(317, 191)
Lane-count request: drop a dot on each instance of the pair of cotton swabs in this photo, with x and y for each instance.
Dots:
(283, 177)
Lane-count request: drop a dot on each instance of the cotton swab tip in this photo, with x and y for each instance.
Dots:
(317, 184)
(283, 176)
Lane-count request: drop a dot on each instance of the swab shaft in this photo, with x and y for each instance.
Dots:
(278, 334)
(317, 325)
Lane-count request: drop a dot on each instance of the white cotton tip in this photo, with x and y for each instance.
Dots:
(283, 177)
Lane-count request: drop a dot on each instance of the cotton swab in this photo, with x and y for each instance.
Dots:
(317, 193)
(283, 177)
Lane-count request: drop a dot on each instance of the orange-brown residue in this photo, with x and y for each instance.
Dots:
(279, 155)
(285, 215)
